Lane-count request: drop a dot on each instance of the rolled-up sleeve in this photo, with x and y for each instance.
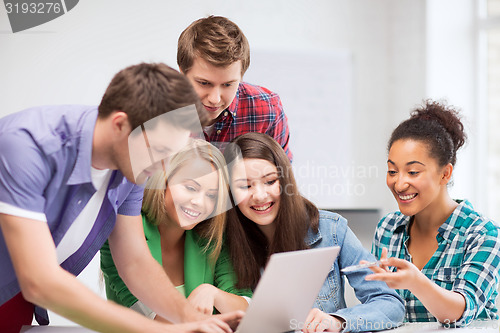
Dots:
(478, 276)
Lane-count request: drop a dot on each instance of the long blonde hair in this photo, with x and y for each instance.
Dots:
(153, 205)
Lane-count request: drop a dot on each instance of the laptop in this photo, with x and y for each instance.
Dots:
(286, 291)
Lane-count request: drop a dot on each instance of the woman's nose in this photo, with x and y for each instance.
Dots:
(401, 184)
(260, 193)
(197, 199)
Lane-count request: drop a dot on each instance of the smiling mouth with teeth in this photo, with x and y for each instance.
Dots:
(262, 208)
(190, 212)
(407, 197)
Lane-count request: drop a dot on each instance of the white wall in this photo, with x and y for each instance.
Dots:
(452, 74)
(72, 59)
(392, 42)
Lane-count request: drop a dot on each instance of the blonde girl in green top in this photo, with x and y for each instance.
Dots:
(184, 219)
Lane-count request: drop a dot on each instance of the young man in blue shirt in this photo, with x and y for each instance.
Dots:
(68, 178)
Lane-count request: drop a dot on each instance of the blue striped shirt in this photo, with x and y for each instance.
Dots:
(45, 163)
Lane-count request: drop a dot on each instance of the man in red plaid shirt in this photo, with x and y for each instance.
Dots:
(214, 54)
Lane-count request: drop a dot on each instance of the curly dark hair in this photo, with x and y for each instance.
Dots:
(438, 125)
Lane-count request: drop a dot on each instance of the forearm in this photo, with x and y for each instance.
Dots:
(446, 305)
(144, 277)
(381, 313)
(227, 302)
(67, 297)
(147, 280)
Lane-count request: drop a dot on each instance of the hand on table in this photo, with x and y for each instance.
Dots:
(318, 321)
(222, 323)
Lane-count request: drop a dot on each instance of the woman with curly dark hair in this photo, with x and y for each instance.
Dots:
(444, 256)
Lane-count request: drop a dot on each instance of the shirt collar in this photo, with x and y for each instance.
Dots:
(448, 230)
(402, 223)
(313, 237)
(84, 133)
(234, 104)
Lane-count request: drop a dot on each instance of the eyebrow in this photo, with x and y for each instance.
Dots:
(194, 181)
(199, 78)
(246, 179)
(409, 163)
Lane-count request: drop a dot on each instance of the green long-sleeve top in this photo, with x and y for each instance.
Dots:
(197, 267)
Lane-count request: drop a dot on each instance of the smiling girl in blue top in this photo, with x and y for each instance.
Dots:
(445, 257)
(271, 216)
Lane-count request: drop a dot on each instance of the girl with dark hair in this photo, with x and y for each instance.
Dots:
(271, 216)
(444, 256)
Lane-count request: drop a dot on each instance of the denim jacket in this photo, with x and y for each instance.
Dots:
(380, 308)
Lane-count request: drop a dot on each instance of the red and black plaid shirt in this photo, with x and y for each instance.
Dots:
(254, 109)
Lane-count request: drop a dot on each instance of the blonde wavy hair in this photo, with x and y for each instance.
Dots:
(153, 205)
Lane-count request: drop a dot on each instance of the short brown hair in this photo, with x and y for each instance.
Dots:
(215, 39)
(148, 90)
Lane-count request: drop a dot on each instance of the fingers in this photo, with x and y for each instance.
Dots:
(204, 310)
(217, 326)
(396, 262)
(212, 325)
(393, 280)
(379, 269)
(318, 321)
(383, 256)
(380, 276)
(311, 314)
(310, 318)
(202, 307)
(231, 318)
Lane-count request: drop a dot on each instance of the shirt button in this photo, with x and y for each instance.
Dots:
(225, 114)
(218, 131)
(79, 202)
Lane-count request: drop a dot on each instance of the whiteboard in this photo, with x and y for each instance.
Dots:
(316, 91)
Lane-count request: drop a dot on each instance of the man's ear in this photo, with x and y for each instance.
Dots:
(120, 124)
(446, 174)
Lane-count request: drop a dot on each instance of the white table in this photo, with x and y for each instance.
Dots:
(55, 329)
(486, 326)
